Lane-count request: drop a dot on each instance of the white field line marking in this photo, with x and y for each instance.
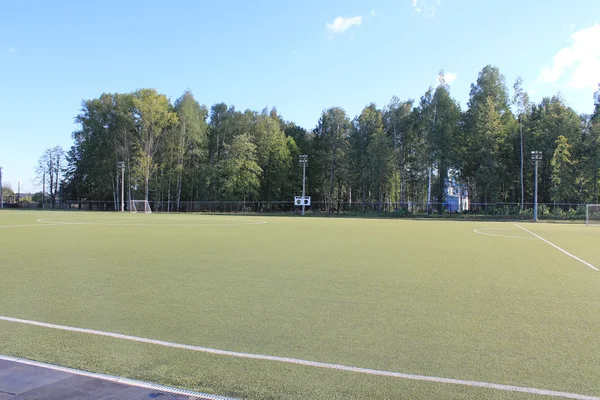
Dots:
(499, 229)
(339, 367)
(116, 379)
(21, 226)
(6, 211)
(558, 248)
(137, 217)
(128, 222)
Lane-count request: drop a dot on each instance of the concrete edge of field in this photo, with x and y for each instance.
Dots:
(116, 379)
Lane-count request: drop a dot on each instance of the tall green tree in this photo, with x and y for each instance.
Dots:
(299, 141)
(548, 120)
(522, 105)
(564, 187)
(488, 159)
(591, 151)
(364, 128)
(240, 169)
(153, 115)
(380, 154)
(102, 139)
(274, 157)
(331, 146)
(8, 194)
(50, 171)
(398, 126)
(192, 146)
(444, 138)
(438, 117)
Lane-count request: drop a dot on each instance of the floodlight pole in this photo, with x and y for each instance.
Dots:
(535, 204)
(121, 165)
(536, 157)
(303, 185)
(304, 163)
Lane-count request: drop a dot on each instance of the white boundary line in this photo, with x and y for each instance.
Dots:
(28, 225)
(499, 229)
(127, 222)
(339, 367)
(559, 249)
(116, 379)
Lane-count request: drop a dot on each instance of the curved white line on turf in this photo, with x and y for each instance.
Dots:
(559, 249)
(116, 379)
(339, 367)
(499, 229)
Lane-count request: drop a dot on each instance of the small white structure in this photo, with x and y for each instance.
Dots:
(457, 198)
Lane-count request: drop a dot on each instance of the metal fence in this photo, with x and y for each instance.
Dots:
(561, 211)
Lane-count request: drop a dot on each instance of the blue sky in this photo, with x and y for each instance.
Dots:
(301, 56)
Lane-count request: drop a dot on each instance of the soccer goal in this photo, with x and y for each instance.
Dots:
(141, 206)
(592, 214)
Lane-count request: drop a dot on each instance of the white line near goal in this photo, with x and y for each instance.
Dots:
(559, 249)
(339, 367)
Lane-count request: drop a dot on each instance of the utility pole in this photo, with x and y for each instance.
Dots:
(536, 157)
(304, 163)
(121, 165)
(1, 198)
(18, 192)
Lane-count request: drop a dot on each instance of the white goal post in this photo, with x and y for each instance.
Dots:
(140, 205)
(592, 214)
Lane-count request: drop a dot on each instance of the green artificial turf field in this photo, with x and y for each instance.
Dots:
(432, 298)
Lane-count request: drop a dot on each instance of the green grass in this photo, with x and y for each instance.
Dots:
(419, 297)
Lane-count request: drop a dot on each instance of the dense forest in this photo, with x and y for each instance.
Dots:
(405, 152)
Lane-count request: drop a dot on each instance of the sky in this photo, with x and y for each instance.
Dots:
(298, 56)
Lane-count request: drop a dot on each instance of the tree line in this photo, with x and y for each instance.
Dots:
(405, 152)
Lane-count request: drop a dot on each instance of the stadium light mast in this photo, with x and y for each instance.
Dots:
(121, 166)
(304, 163)
(536, 157)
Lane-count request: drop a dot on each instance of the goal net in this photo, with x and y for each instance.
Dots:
(140, 206)
(592, 214)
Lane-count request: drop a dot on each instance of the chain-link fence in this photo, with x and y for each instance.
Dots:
(558, 211)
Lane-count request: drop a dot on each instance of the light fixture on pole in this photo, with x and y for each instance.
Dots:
(121, 166)
(304, 163)
(536, 157)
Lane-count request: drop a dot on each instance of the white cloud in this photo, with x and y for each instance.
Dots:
(427, 7)
(12, 50)
(578, 65)
(341, 24)
(373, 13)
(449, 77)
(417, 6)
